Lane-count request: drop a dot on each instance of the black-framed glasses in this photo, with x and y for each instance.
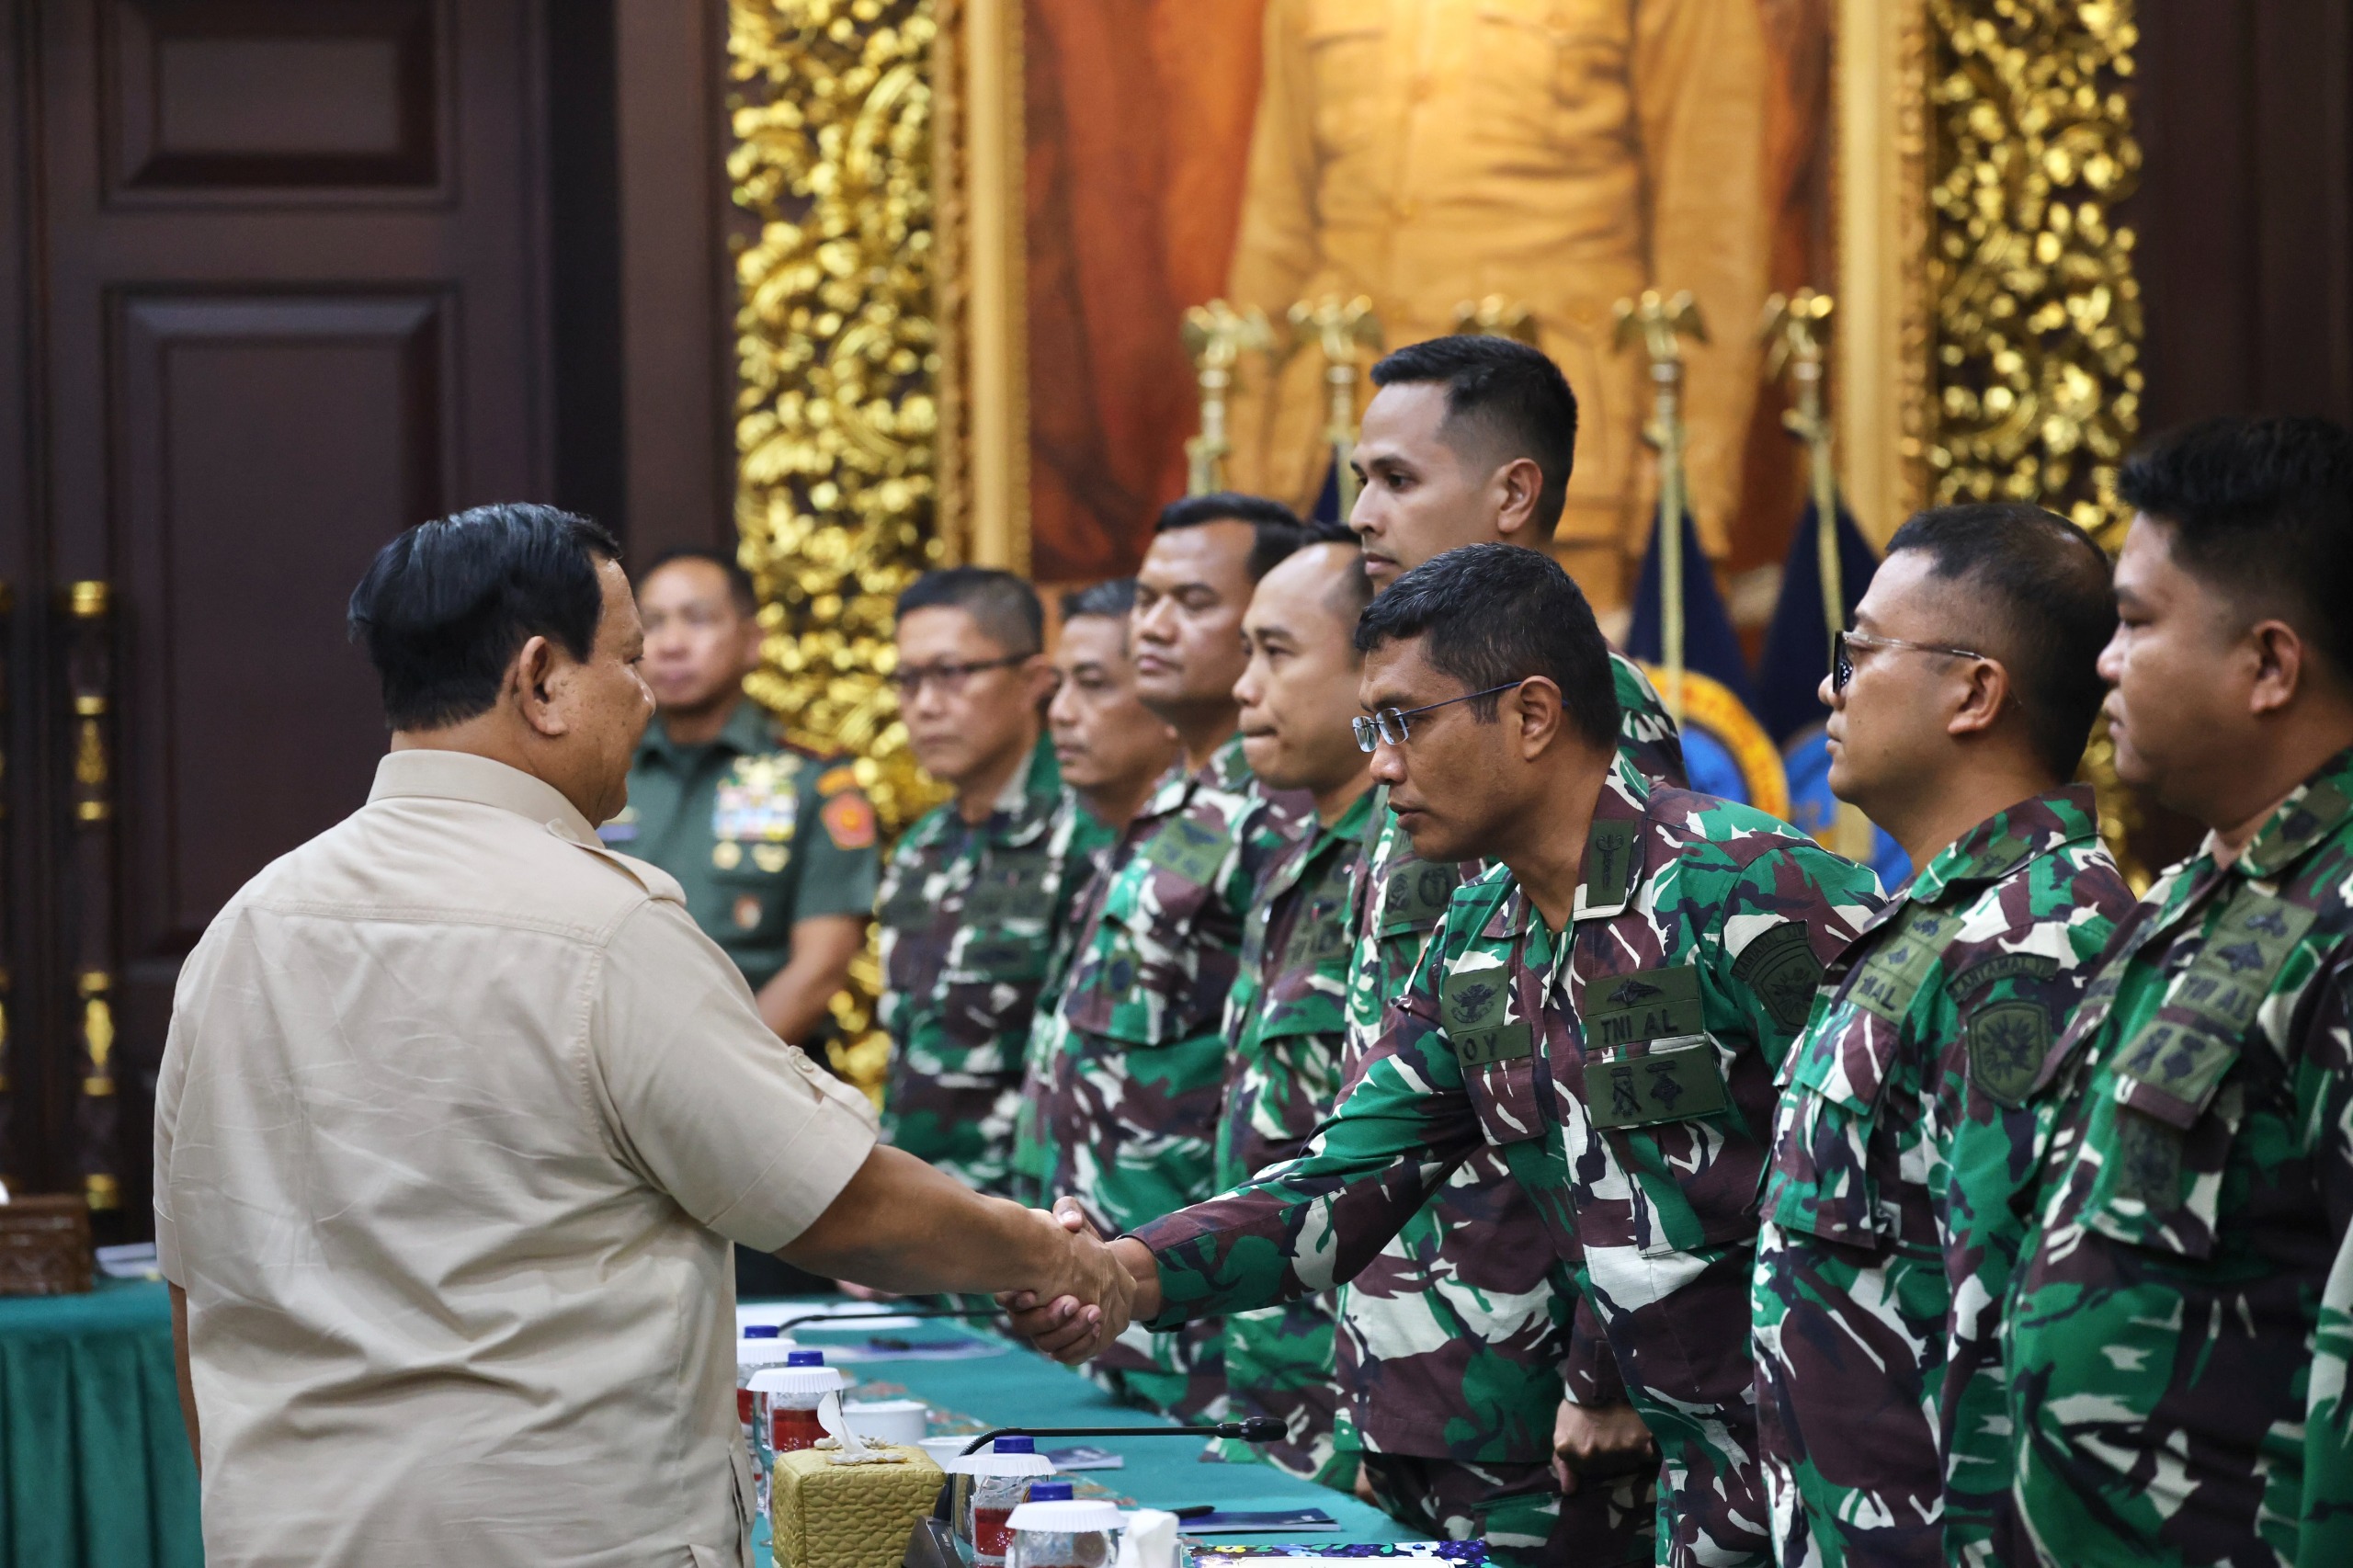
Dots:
(909, 680)
(1842, 663)
(1389, 724)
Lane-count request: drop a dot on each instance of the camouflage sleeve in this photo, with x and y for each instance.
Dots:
(2325, 1525)
(1590, 1368)
(1402, 1125)
(836, 836)
(1789, 912)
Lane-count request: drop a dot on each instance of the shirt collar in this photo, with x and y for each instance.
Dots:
(1616, 837)
(748, 732)
(464, 776)
(2318, 809)
(2008, 839)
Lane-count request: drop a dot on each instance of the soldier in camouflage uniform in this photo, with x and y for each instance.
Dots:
(977, 889)
(1453, 1340)
(1610, 1020)
(1905, 1135)
(1111, 751)
(1134, 1058)
(2174, 1379)
(1283, 1019)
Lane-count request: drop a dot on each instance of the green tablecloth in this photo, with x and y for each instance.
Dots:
(94, 1470)
(1022, 1389)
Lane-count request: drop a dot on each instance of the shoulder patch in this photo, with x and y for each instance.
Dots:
(849, 821)
(1780, 966)
(2008, 1042)
(834, 780)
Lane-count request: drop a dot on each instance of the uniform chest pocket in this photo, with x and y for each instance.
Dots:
(1497, 1049)
(1822, 1179)
(904, 906)
(1154, 977)
(1344, 49)
(1535, 59)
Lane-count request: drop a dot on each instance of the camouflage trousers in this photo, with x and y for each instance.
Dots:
(1278, 1363)
(1180, 1374)
(1518, 1509)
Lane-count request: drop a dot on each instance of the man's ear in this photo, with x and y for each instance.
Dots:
(531, 681)
(1517, 486)
(2278, 665)
(1534, 707)
(1038, 678)
(1986, 688)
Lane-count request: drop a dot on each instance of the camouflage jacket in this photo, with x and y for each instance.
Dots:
(968, 915)
(1625, 1070)
(1087, 846)
(1893, 1208)
(2164, 1395)
(1452, 1340)
(1286, 1024)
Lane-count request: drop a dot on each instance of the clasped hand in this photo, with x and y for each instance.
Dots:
(1099, 1289)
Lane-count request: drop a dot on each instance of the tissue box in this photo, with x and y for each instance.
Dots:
(44, 1246)
(850, 1515)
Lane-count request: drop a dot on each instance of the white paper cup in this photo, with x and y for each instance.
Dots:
(942, 1449)
(901, 1421)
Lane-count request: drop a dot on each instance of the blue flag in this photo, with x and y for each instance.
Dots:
(1710, 644)
(1797, 644)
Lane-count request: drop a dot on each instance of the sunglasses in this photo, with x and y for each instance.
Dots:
(1842, 662)
(1389, 726)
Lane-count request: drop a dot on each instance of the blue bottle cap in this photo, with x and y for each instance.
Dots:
(804, 1358)
(1016, 1445)
(760, 1331)
(1050, 1492)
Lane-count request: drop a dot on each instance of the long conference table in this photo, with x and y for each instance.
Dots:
(94, 1470)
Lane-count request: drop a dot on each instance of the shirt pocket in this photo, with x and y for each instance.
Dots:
(2160, 1164)
(1346, 50)
(1536, 61)
(1820, 1181)
(1156, 983)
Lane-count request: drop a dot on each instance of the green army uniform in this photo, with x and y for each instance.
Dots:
(1894, 1206)
(1286, 1023)
(1076, 838)
(1624, 1069)
(1136, 1065)
(2176, 1327)
(1455, 1339)
(758, 832)
(969, 914)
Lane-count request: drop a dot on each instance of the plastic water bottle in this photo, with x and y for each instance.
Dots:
(757, 1351)
(787, 1400)
(1054, 1530)
(995, 1497)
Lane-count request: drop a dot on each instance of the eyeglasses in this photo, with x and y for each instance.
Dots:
(1842, 663)
(910, 681)
(1388, 724)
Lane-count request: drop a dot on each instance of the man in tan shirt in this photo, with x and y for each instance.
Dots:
(460, 1112)
(1561, 154)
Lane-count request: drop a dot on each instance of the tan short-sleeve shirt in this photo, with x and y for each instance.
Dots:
(458, 1115)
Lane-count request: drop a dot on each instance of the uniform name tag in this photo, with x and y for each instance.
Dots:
(1674, 1081)
(2181, 1055)
(1651, 1004)
(1187, 851)
(1473, 1005)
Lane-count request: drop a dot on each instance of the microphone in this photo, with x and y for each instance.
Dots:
(851, 1320)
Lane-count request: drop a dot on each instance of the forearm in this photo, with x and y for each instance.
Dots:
(902, 1226)
(796, 999)
(185, 1374)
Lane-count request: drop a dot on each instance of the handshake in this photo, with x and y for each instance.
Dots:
(1091, 1290)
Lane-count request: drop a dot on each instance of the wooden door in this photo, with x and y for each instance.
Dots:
(275, 282)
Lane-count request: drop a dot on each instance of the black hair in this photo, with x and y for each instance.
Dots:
(1276, 529)
(1115, 598)
(2262, 508)
(739, 587)
(1507, 395)
(445, 607)
(1355, 590)
(1494, 613)
(1005, 608)
(2047, 589)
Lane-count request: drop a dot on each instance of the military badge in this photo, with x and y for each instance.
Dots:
(849, 821)
(770, 857)
(747, 913)
(2006, 1044)
(726, 855)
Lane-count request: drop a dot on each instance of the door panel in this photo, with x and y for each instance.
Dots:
(288, 264)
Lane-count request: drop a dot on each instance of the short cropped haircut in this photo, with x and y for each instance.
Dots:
(1005, 608)
(2048, 594)
(444, 609)
(1502, 396)
(1276, 529)
(2262, 509)
(1490, 614)
(1114, 598)
(1355, 590)
(740, 591)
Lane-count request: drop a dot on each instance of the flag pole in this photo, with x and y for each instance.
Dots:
(1658, 327)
